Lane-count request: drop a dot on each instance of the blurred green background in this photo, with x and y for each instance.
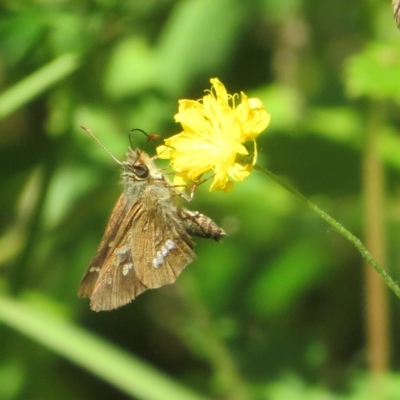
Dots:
(279, 309)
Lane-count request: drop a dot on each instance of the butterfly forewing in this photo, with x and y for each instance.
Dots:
(92, 273)
(110, 281)
(118, 283)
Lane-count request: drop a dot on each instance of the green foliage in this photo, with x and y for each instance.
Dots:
(273, 312)
(375, 72)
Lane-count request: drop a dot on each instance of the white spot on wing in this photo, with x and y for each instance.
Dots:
(170, 244)
(126, 268)
(159, 259)
(122, 250)
(122, 253)
(161, 254)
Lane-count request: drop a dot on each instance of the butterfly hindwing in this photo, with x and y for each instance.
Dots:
(164, 248)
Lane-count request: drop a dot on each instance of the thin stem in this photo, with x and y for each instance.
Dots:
(377, 308)
(338, 227)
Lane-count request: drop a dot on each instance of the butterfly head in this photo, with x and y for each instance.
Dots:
(139, 167)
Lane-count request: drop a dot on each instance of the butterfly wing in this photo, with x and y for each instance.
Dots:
(118, 283)
(144, 247)
(110, 280)
(92, 273)
(163, 249)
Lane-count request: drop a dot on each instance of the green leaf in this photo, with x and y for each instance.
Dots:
(36, 83)
(374, 72)
(122, 370)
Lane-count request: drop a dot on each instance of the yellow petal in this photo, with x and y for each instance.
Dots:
(164, 152)
(215, 137)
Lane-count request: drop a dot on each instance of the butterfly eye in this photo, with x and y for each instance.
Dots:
(141, 171)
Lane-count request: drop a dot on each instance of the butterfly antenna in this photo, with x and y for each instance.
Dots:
(87, 130)
(150, 138)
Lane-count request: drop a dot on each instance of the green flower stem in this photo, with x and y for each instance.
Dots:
(338, 227)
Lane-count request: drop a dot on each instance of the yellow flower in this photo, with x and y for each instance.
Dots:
(217, 137)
